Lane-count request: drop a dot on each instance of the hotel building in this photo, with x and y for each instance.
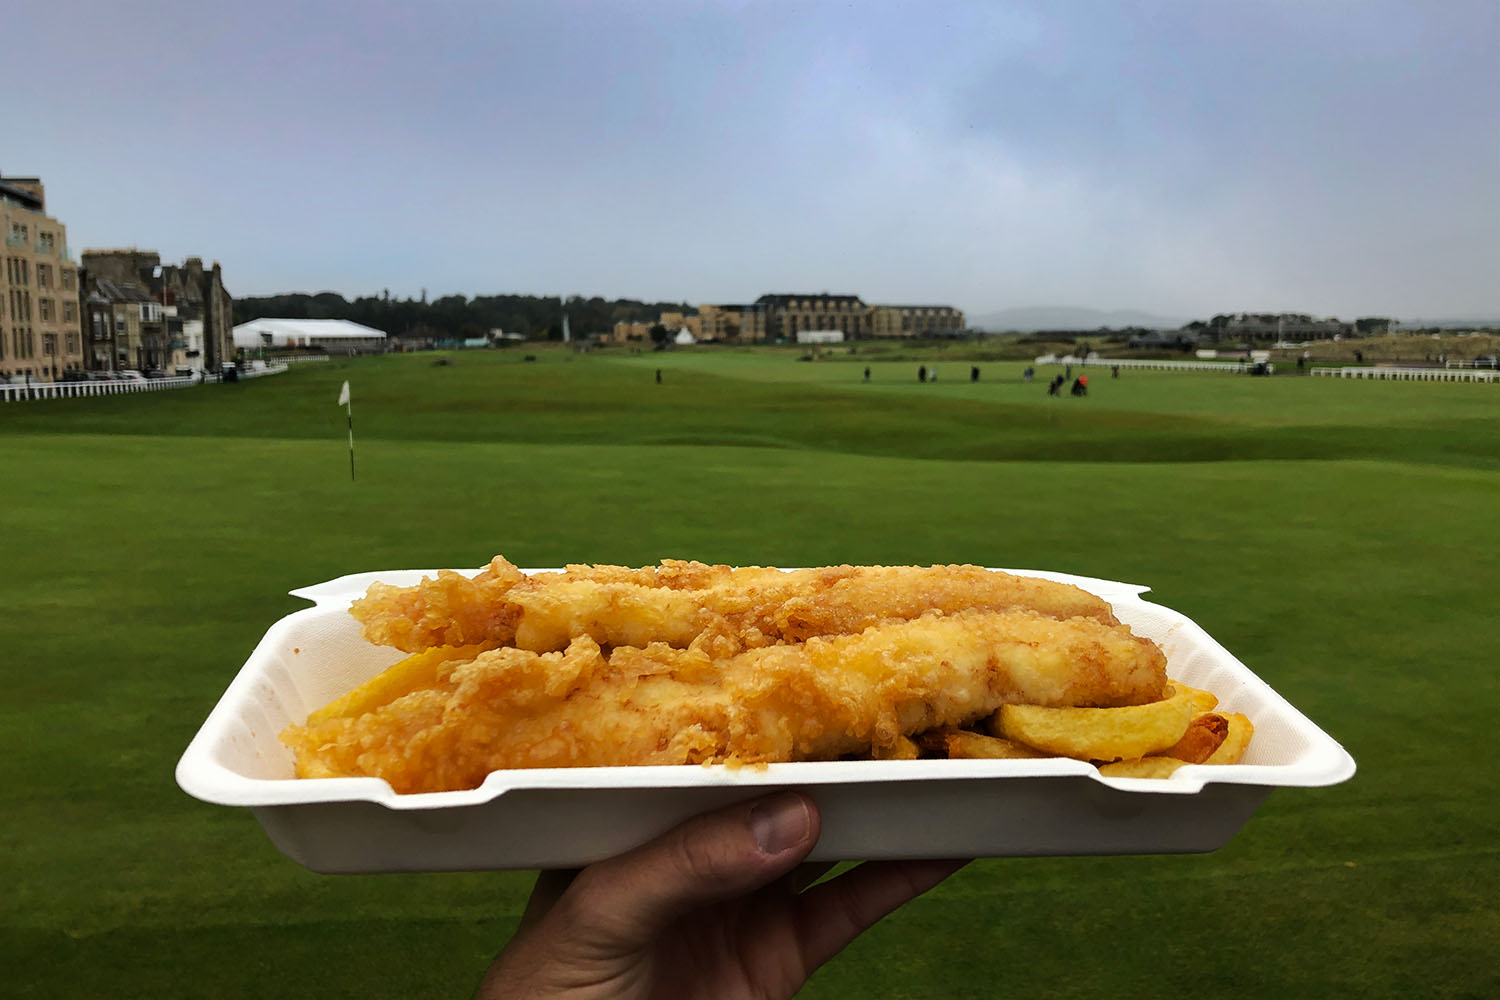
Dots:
(40, 335)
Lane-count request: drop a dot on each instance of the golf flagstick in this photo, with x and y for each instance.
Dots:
(345, 401)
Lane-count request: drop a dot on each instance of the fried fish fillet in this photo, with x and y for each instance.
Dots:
(816, 700)
(680, 601)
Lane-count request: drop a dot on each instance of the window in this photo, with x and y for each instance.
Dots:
(44, 242)
(119, 322)
(97, 321)
(69, 279)
(44, 276)
(72, 343)
(70, 310)
(49, 344)
(44, 308)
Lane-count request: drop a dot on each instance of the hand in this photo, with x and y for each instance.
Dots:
(717, 907)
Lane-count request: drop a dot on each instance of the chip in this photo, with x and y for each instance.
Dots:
(961, 744)
(1203, 701)
(1101, 734)
(1238, 738)
(1141, 767)
(418, 671)
(903, 749)
(1204, 735)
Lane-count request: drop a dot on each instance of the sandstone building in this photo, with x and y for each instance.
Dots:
(732, 323)
(915, 321)
(790, 314)
(782, 316)
(143, 315)
(671, 321)
(39, 309)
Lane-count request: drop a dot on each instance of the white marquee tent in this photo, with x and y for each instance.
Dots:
(337, 336)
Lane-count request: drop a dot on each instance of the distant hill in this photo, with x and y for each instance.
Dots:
(1031, 318)
(1447, 324)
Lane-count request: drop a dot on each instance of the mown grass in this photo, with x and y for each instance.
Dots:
(150, 539)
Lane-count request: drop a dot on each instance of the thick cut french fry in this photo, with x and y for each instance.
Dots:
(1141, 767)
(903, 749)
(961, 744)
(1204, 735)
(418, 671)
(1102, 734)
(1203, 701)
(1235, 741)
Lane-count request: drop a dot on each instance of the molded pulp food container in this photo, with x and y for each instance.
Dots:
(568, 817)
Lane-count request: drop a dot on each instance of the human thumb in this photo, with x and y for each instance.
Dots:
(622, 904)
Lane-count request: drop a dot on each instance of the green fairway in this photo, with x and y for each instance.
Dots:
(1334, 535)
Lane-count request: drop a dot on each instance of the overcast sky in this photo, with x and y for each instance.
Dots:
(1331, 157)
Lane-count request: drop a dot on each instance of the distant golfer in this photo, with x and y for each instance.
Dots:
(922, 374)
(974, 374)
(658, 376)
(867, 373)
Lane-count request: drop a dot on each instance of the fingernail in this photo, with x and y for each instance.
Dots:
(780, 823)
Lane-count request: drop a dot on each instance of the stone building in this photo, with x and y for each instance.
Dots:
(40, 336)
(789, 314)
(782, 316)
(126, 327)
(1273, 327)
(162, 317)
(732, 323)
(915, 321)
(672, 322)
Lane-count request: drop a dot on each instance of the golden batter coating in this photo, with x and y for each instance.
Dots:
(679, 601)
(826, 697)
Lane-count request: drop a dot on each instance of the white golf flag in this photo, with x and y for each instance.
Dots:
(344, 393)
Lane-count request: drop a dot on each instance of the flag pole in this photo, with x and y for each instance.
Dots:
(346, 400)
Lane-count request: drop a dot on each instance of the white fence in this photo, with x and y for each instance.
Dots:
(113, 387)
(296, 359)
(1168, 366)
(1450, 374)
(1412, 374)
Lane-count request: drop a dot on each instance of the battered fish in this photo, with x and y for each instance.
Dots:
(816, 700)
(680, 601)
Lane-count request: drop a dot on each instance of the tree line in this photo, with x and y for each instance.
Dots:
(458, 317)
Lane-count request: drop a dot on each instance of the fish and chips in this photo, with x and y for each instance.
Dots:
(687, 663)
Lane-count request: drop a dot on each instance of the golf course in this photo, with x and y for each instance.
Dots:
(1337, 536)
